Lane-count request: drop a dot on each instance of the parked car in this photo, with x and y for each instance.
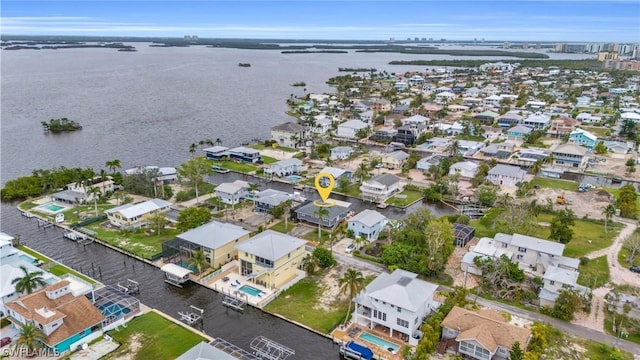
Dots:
(635, 268)
(350, 248)
(5, 341)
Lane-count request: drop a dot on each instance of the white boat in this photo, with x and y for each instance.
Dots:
(59, 218)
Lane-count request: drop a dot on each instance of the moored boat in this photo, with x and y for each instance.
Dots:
(353, 350)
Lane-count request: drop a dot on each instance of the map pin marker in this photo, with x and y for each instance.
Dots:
(324, 184)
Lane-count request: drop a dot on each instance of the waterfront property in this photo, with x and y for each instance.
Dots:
(309, 212)
(395, 160)
(289, 134)
(367, 224)
(232, 193)
(217, 240)
(502, 174)
(396, 304)
(166, 174)
(270, 259)
(351, 128)
(175, 274)
(427, 162)
(63, 316)
(268, 199)
(462, 234)
(380, 187)
(338, 173)
(482, 334)
(135, 216)
(466, 169)
(284, 167)
(570, 155)
(240, 154)
(341, 152)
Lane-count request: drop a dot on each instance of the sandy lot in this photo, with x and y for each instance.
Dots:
(589, 203)
(329, 283)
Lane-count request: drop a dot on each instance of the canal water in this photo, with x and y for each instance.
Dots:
(111, 267)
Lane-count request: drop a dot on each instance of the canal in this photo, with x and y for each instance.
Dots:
(111, 267)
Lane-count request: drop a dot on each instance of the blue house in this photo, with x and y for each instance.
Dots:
(518, 132)
(584, 138)
(367, 224)
(241, 154)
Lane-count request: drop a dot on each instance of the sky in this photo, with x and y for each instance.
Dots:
(505, 20)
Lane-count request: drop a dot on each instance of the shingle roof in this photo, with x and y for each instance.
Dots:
(487, 327)
(214, 234)
(571, 149)
(270, 245)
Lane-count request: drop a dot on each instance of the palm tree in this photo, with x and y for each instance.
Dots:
(29, 282)
(309, 264)
(195, 169)
(536, 167)
(608, 212)
(158, 221)
(321, 213)
(113, 165)
(453, 148)
(286, 205)
(362, 171)
(30, 338)
(199, 260)
(351, 283)
(95, 192)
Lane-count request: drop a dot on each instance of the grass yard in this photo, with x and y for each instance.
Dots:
(411, 197)
(599, 131)
(60, 270)
(596, 271)
(35, 254)
(236, 166)
(152, 337)
(313, 236)
(624, 254)
(138, 243)
(559, 184)
(268, 159)
(632, 326)
(279, 227)
(616, 193)
(351, 190)
(281, 148)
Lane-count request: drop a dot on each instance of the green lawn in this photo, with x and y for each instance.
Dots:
(599, 131)
(298, 303)
(616, 193)
(281, 148)
(411, 197)
(60, 270)
(268, 159)
(559, 184)
(624, 254)
(138, 243)
(155, 338)
(236, 166)
(279, 227)
(35, 254)
(596, 271)
(324, 238)
(351, 190)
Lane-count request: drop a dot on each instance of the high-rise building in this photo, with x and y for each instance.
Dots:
(525, 45)
(506, 45)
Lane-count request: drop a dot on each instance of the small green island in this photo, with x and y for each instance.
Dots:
(299, 83)
(244, 65)
(61, 125)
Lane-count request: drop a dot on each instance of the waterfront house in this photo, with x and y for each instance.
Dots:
(64, 318)
(469, 147)
(528, 156)
(271, 259)
(483, 334)
(103, 185)
(509, 119)
(216, 153)
(394, 160)
(166, 174)
(232, 193)
(69, 197)
(570, 155)
(268, 199)
(466, 169)
(284, 167)
(618, 146)
(341, 152)
(217, 239)
(551, 172)
(367, 224)
(350, 129)
(518, 132)
(308, 212)
(408, 134)
(502, 174)
(427, 162)
(135, 216)
(338, 173)
(241, 154)
(399, 302)
(289, 134)
(537, 121)
(401, 86)
(583, 138)
(323, 125)
(380, 187)
(498, 150)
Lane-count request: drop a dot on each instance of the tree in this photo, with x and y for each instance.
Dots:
(632, 245)
(561, 226)
(113, 165)
(536, 167)
(29, 282)
(324, 257)
(454, 148)
(608, 212)
(487, 194)
(627, 202)
(158, 221)
(309, 264)
(198, 259)
(600, 149)
(351, 283)
(631, 165)
(343, 184)
(362, 171)
(516, 353)
(30, 338)
(567, 303)
(194, 170)
(192, 217)
(321, 213)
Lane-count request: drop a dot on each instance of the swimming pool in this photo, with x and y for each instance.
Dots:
(51, 207)
(294, 178)
(250, 290)
(379, 341)
(28, 259)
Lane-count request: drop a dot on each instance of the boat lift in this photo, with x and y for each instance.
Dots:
(191, 317)
(270, 350)
(131, 288)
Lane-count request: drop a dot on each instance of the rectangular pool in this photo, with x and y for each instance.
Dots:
(294, 178)
(250, 290)
(51, 207)
(379, 341)
(28, 259)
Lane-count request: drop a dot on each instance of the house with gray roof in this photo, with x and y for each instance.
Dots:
(399, 302)
(232, 193)
(284, 167)
(570, 155)
(135, 216)
(341, 152)
(205, 351)
(217, 239)
(349, 129)
(380, 187)
(289, 134)
(367, 224)
(269, 198)
(338, 173)
(509, 175)
(309, 212)
(466, 169)
(427, 162)
(555, 279)
(395, 159)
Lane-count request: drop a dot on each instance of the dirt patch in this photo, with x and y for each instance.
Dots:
(453, 266)
(331, 292)
(133, 346)
(589, 203)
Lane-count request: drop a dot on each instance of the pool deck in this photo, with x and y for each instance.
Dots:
(225, 284)
(343, 334)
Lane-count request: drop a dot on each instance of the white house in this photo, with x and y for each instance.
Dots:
(134, 216)
(630, 116)
(288, 134)
(398, 301)
(555, 279)
(367, 224)
(284, 167)
(341, 152)
(232, 193)
(502, 174)
(415, 119)
(466, 169)
(493, 100)
(380, 187)
(350, 128)
(366, 116)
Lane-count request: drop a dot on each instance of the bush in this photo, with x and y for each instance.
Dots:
(584, 260)
(324, 256)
